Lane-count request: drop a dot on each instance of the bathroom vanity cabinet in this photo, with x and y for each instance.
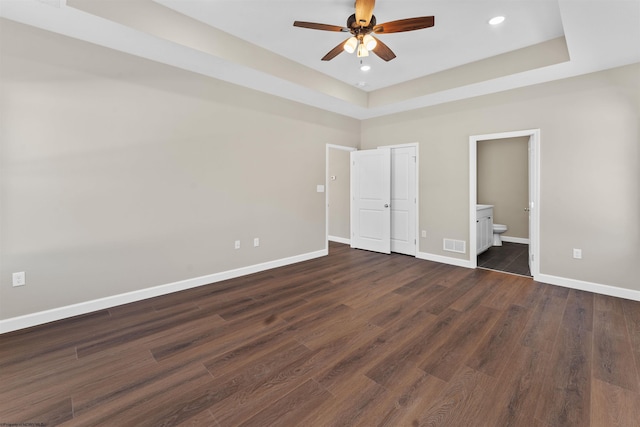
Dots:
(484, 228)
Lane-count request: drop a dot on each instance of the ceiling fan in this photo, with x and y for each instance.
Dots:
(361, 25)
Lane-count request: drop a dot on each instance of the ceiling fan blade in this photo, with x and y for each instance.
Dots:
(401, 25)
(323, 27)
(364, 11)
(334, 52)
(383, 51)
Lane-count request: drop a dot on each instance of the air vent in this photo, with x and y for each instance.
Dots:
(459, 246)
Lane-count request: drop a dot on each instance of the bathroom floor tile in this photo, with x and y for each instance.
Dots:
(510, 257)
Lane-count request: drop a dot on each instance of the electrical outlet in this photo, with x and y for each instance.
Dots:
(237, 244)
(424, 233)
(256, 242)
(577, 253)
(19, 279)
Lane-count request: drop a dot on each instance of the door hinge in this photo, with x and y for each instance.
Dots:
(531, 257)
(414, 159)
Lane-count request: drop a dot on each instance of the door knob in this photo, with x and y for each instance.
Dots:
(386, 205)
(527, 209)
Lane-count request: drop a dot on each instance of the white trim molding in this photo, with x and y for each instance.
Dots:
(597, 288)
(39, 318)
(445, 259)
(509, 239)
(336, 239)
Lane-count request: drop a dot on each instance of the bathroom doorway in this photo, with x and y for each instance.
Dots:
(504, 171)
(503, 182)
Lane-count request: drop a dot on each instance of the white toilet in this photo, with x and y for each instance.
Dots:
(498, 229)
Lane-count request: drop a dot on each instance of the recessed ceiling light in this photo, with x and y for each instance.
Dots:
(496, 20)
(365, 67)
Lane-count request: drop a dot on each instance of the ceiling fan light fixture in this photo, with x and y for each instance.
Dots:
(362, 25)
(365, 67)
(496, 20)
(362, 51)
(369, 42)
(351, 44)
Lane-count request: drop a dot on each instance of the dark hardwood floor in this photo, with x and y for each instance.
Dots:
(352, 339)
(510, 257)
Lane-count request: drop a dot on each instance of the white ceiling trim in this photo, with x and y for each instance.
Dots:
(614, 43)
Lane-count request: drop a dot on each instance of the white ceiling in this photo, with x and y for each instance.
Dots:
(285, 61)
(461, 34)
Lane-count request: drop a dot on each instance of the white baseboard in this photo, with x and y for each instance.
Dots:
(444, 259)
(515, 239)
(597, 288)
(339, 240)
(39, 318)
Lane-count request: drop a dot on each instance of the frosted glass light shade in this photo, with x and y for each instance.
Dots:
(369, 42)
(351, 44)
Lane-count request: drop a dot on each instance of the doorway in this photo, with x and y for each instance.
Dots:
(531, 206)
(503, 183)
(384, 204)
(337, 197)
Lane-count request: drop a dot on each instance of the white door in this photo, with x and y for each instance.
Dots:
(371, 197)
(403, 200)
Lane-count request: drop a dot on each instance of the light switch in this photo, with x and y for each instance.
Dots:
(320, 188)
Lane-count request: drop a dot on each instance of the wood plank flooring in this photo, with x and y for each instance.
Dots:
(352, 339)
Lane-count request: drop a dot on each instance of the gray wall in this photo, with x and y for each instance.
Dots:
(503, 181)
(120, 174)
(590, 168)
(339, 194)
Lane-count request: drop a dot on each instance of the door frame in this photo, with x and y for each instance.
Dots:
(534, 188)
(417, 183)
(326, 186)
(416, 145)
